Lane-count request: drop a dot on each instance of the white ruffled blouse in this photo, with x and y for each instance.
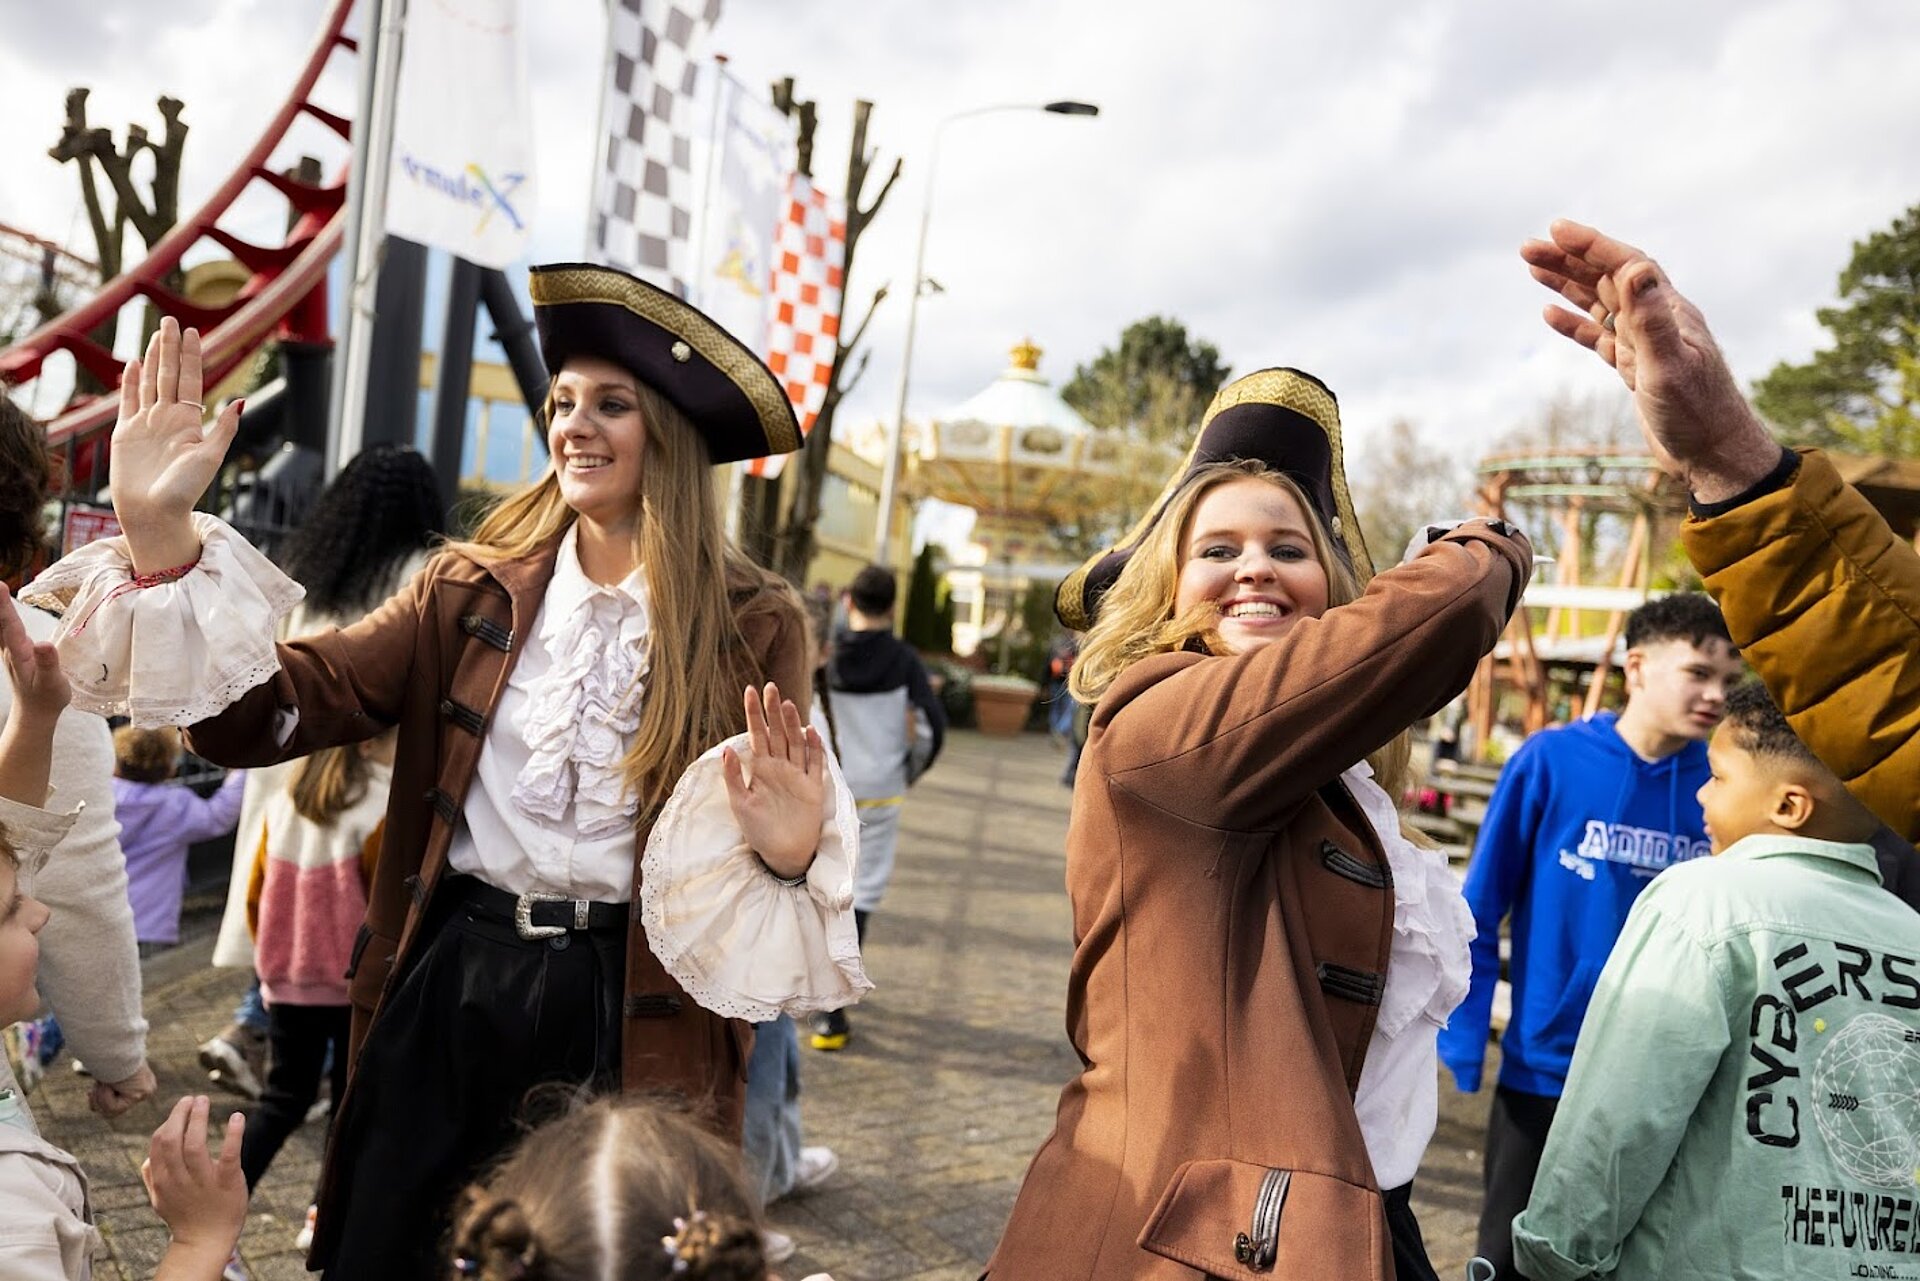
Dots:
(1429, 967)
(546, 810)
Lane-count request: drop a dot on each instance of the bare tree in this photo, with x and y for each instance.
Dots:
(93, 147)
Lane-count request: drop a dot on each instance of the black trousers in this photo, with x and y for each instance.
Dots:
(1410, 1261)
(298, 1038)
(1516, 1135)
(480, 1018)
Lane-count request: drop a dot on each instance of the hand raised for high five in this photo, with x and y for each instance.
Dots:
(777, 797)
(1699, 425)
(165, 454)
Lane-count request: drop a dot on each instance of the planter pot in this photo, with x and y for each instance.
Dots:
(1001, 704)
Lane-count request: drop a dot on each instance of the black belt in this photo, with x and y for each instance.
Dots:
(537, 914)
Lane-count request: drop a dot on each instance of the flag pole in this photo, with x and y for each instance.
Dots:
(347, 428)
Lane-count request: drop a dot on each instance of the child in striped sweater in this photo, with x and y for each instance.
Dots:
(306, 899)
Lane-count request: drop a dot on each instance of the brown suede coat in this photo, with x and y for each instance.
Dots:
(434, 660)
(1232, 915)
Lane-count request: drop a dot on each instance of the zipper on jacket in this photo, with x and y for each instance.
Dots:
(1257, 1249)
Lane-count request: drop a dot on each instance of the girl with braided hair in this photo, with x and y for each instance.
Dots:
(634, 1190)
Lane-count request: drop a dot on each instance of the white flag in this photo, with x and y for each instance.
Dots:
(462, 173)
(745, 181)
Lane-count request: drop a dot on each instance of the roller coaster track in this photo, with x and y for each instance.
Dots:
(285, 295)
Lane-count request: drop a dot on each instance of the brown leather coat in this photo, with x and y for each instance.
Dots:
(1232, 916)
(434, 660)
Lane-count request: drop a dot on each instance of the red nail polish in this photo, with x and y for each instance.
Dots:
(241, 406)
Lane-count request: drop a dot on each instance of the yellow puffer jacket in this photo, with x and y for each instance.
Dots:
(1824, 600)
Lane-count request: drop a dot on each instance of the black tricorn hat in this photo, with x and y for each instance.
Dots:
(1284, 418)
(729, 395)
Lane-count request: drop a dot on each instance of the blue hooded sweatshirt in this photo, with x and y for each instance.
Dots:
(1577, 827)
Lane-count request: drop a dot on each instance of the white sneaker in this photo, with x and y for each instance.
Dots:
(235, 1270)
(814, 1167)
(303, 1239)
(777, 1246)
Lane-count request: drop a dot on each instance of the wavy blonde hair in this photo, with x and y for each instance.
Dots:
(1136, 617)
(681, 545)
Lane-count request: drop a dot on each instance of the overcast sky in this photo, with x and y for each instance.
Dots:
(1337, 186)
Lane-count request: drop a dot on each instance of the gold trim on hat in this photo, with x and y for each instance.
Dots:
(1280, 387)
(719, 348)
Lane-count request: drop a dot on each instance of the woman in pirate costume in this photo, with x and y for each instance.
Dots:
(583, 877)
(1262, 959)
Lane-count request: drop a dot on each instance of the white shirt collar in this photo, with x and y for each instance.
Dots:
(571, 586)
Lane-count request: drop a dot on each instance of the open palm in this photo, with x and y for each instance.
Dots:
(778, 793)
(165, 454)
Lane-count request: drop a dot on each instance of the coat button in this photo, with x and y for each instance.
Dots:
(1243, 1248)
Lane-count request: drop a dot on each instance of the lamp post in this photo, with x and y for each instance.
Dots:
(890, 472)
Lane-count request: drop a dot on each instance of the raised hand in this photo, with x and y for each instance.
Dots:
(33, 669)
(778, 795)
(201, 1199)
(1691, 411)
(164, 453)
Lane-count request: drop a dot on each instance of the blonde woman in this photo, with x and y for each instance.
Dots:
(1262, 959)
(564, 686)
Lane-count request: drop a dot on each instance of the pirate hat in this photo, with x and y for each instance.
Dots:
(1285, 418)
(732, 399)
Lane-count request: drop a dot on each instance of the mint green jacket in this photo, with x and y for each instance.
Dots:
(1744, 1100)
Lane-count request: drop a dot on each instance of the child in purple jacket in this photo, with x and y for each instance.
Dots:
(159, 820)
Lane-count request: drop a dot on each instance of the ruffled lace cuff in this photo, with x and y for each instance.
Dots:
(174, 654)
(740, 942)
(33, 831)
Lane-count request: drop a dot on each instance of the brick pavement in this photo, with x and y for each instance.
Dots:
(935, 1107)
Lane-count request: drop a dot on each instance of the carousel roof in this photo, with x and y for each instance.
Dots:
(1015, 451)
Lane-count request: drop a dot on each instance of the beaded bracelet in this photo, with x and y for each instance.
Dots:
(135, 583)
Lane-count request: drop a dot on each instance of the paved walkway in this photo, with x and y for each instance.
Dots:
(935, 1108)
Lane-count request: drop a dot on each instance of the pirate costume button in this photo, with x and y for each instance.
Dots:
(729, 395)
(1284, 418)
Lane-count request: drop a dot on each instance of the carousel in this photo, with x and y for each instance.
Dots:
(1038, 476)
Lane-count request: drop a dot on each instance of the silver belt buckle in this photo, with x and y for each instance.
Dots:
(523, 915)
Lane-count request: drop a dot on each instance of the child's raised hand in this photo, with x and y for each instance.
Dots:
(39, 686)
(202, 1200)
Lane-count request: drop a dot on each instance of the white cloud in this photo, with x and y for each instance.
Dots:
(1340, 187)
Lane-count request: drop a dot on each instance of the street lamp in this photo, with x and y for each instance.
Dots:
(890, 473)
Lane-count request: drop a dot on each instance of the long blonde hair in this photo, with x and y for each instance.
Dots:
(1136, 617)
(692, 702)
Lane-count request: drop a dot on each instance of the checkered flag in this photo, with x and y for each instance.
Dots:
(809, 266)
(643, 188)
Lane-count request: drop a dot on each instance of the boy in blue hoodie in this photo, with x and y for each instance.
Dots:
(1583, 818)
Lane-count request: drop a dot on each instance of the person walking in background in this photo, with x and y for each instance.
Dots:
(777, 1158)
(1745, 1098)
(161, 819)
(307, 895)
(370, 531)
(890, 727)
(89, 963)
(1583, 817)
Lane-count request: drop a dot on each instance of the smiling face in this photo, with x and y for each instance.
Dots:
(21, 919)
(598, 438)
(1249, 552)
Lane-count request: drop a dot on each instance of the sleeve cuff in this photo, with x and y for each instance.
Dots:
(1779, 478)
(173, 654)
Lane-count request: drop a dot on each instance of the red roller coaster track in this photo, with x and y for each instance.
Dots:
(284, 297)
